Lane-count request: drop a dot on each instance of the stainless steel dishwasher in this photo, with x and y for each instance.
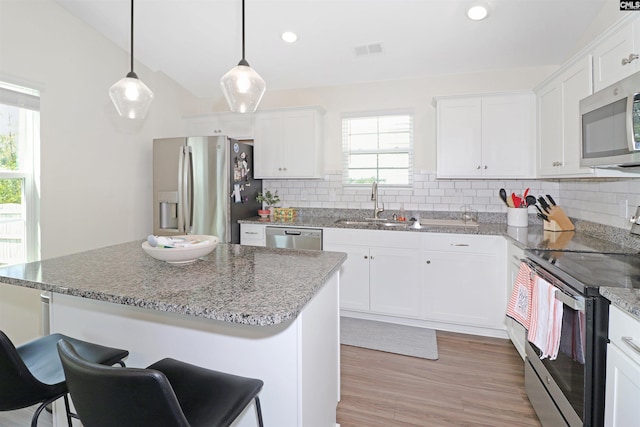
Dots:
(294, 238)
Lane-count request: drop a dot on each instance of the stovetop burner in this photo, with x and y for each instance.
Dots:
(590, 270)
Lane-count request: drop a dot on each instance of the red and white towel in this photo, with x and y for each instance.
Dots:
(546, 319)
(519, 307)
(534, 306)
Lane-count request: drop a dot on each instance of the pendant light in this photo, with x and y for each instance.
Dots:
(129, 95)
(242, 86)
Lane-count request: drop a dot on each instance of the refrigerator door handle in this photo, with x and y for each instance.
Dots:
(188, 190)
(181, 190)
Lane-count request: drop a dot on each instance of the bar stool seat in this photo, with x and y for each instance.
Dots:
(167, 393)
(32, 373)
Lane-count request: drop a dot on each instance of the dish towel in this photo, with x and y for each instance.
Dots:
(519, 307)
(546, 319)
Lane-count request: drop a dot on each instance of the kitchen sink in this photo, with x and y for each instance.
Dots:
(387, 223)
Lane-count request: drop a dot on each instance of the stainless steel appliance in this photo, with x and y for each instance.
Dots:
(570, 390)
(203, 185)
(610, 131)
(294, 238)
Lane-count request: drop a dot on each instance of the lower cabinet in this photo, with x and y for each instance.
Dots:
(623, 370)
(463, 280)
(517, 333)
(447, 281)
(381, 273)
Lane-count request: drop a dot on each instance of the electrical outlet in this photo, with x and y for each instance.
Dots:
(624, 209)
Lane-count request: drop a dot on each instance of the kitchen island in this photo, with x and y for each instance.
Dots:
(265, 313)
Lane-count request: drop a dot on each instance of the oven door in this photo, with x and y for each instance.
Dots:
(564, 377)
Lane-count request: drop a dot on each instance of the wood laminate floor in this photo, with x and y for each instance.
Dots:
(476, 381)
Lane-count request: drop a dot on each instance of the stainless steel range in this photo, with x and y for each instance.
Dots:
(570, 390)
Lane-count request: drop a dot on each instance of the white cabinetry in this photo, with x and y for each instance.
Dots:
(559, 120)
(616, 56)
(237, 126)
(517, 333)
(489, 136)
(464, 279)
(288, 143)
(623, 370)
(381, 273)
(21, 313)
(252, 235)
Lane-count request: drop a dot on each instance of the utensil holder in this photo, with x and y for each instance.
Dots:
(518, 217)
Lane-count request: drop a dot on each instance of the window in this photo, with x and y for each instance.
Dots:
(19, 147)
(378, 148)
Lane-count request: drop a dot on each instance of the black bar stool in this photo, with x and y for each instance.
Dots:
(167, 393)
(32, 373)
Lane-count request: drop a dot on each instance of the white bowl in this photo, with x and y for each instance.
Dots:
(206, 245)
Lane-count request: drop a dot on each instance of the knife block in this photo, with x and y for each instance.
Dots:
(558, 220)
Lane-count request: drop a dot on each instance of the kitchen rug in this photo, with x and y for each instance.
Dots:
(389, 337)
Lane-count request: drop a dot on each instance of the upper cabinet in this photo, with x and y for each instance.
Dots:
(616, 56)
(487, 136)
(288, 143)
(234, 125)
(559, 120)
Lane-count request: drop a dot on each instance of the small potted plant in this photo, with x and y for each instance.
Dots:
(269, 200)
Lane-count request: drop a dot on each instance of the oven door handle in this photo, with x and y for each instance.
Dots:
(573, 303)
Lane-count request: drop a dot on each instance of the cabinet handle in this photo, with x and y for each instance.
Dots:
(629, 341)
(250, 232)
(279, 169)
(459, 244)
(428, 261)
(632, 57)
(366, 257)
(485, 166)
(371, 257)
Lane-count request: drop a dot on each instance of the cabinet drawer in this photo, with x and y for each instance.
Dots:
(624, 332)
(383, 238)
(252, 235)
(462, 243)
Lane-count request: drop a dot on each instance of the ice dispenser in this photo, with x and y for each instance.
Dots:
(168, 212)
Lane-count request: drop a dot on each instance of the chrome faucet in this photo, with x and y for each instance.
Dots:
(374, 199)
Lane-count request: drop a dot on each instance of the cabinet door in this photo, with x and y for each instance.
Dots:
(395, 283)
(269, 134)
(622, 389)
(508, 129)
(608, 55)
(549, 129)
(466, 287)
(459, 135)
(299, 144)
(354, 276)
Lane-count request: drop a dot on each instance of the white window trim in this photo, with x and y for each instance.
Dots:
(345, 152)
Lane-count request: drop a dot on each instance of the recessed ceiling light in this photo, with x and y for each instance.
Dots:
(477, 12)
(289, 37)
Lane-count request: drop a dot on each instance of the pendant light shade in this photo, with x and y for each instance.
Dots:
(242, 86)
(131, 97)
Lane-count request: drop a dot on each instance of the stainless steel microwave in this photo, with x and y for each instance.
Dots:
(610, 131)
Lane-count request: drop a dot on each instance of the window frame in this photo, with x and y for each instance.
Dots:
(27, 98)
(346, 152)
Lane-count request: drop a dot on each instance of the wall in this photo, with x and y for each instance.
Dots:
(95, 166)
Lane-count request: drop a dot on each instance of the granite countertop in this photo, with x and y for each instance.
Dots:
(587, 237)
(240, 284)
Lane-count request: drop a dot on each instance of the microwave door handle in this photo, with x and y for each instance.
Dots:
(574, 304)
(631, 139)
(181, 166)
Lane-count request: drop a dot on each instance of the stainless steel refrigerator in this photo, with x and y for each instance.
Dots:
(203, 185)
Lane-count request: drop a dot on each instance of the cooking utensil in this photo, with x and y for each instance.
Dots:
(530, 200)
(541, 214)
(544, 204)
(526, 192)
(517, 201)
(550, 199)
(503, 196)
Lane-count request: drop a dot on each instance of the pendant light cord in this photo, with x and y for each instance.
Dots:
(242, 30)
(132, 36)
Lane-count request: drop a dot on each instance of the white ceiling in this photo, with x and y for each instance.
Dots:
(196, 41)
